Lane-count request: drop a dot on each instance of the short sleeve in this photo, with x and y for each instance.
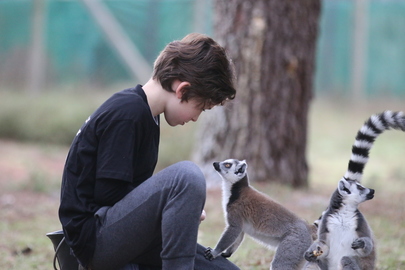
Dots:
(116, 147)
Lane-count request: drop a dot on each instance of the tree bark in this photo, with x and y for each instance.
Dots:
(272, 44)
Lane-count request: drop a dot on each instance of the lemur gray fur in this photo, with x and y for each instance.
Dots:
(249, 211)
(345, 239)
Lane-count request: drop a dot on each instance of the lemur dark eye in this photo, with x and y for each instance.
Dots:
(228, 165)
(359, 187)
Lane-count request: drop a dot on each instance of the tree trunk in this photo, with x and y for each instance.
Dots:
(272, 44)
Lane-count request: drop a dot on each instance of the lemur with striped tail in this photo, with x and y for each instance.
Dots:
(345, 239)
(249, 211)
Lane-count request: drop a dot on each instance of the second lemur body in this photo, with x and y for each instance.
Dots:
(250, 211)
(345, 240)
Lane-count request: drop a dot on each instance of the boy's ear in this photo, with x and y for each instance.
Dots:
(181, 88)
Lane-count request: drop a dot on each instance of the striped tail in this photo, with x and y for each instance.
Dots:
(365, 138)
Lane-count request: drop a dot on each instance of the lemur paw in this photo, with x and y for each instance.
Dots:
(318, 252)
(312, 255)
(208, 254)
(226, 254)
(358, 243)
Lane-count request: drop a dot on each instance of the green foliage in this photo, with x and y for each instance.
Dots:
(49, 118)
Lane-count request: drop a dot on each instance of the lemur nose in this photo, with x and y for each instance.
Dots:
(370, 195)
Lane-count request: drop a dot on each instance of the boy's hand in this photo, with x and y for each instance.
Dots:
(203, 215)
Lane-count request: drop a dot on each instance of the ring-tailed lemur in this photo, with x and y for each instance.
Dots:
(365, 138)
(364, 141)
(344, 238)
(249, 211)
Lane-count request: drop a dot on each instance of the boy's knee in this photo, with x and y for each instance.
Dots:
(191, 176)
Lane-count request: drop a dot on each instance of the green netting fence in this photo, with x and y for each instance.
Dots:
(77, 52)
(384, 48)
(76, 49)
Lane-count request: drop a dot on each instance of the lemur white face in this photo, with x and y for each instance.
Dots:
(231, 170)
(352, 191)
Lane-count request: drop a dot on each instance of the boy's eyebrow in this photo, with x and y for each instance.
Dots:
(210, 105)
(208, 108)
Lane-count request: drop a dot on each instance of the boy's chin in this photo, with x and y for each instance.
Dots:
(173, 123)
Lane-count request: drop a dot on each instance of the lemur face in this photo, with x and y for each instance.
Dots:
(352, 191)
(231, 170)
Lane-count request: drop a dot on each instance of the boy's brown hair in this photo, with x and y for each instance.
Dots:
(202, 62)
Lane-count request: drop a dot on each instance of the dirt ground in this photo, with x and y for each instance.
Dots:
(29, 198)
(30, 177)
(21, 168)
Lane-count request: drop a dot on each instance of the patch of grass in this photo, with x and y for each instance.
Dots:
(23, 225)
(26, 216)
(52, 117)
(39, 181)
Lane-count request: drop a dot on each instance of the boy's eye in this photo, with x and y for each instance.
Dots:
(207, 108)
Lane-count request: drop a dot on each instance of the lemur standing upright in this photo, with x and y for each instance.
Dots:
(345, 239)
(249, 211)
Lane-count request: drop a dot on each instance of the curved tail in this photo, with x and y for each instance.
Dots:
(365, 138)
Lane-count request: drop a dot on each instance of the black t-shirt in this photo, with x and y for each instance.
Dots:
(118, 141)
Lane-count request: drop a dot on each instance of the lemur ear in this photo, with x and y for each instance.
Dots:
(343, 187)
(241, 169)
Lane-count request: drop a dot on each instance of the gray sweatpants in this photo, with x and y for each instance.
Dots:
(156, 224)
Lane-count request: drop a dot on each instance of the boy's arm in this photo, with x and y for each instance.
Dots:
(109, 191)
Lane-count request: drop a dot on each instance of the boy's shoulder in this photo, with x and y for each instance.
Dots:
(127, 104)
(134, 98)
(134, 93)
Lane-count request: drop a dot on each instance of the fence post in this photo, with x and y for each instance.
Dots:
(36, 61)
(359, 56)
(130, 56)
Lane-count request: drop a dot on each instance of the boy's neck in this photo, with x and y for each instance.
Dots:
(156, 96)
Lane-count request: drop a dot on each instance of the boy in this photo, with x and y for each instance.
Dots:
(114, 212)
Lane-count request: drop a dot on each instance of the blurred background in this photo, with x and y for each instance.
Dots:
(45, 44)
(48, 44)
(60, 59)
(50, 48)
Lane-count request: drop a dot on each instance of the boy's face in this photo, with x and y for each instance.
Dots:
(179, 113)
